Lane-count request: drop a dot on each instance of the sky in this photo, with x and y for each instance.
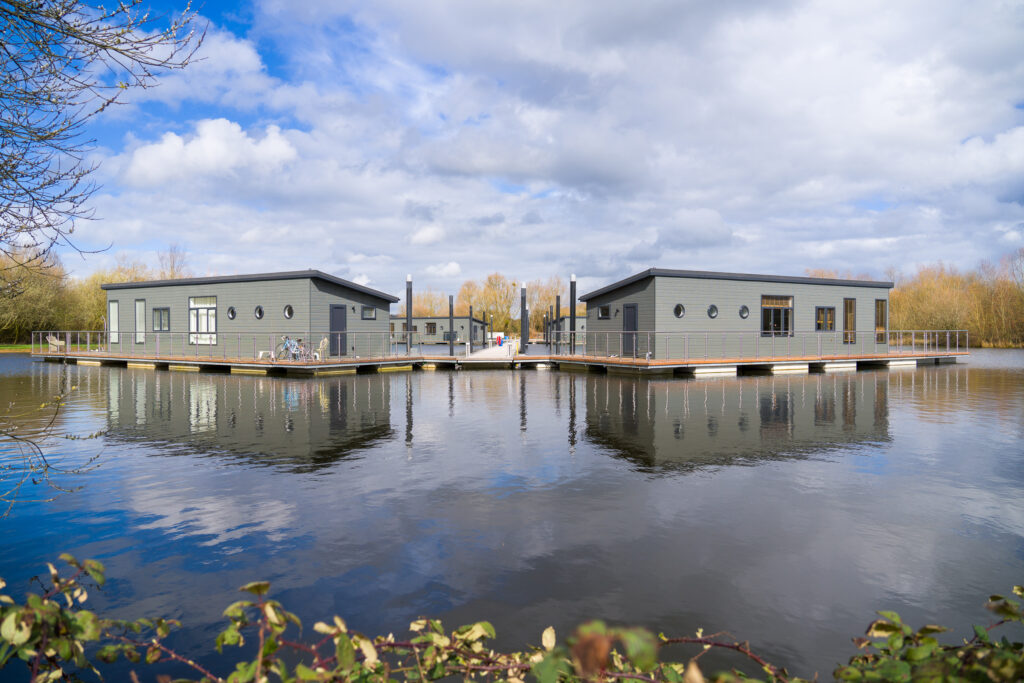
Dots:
(456, 138)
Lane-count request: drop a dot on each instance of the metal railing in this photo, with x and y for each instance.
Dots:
(641, 345)
(279, 346)
(754, 345)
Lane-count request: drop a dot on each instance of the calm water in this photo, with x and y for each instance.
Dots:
(784, 510)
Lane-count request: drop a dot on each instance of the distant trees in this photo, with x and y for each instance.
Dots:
(988, 301)
(48, 299)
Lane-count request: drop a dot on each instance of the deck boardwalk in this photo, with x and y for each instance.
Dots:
(501, 357)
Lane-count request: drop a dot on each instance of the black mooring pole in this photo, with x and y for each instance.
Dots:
(558, 320)
(524, 322)
(551, 315)
(408, 314)
(572, 314)
(470, 329)
(451, 325)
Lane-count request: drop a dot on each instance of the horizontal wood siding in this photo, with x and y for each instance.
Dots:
(240, 337)
(368, 338)
(639, 293)
(246, 336)
(422, 337)
(697, 295)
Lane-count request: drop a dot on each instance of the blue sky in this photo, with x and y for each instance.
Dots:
(456, 138)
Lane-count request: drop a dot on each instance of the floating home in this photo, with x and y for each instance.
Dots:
(661, 313)
(435, 329)
(247, 316)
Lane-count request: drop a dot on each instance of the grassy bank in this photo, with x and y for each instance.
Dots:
(15, 348)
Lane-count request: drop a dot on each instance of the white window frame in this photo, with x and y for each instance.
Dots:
(202, 320)
(113, 323)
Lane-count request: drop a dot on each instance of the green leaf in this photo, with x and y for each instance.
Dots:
(345, 652)
(548, 669)
(305, 673)
(256, 587)
(641, 647)
(14, 630)
(916, 654)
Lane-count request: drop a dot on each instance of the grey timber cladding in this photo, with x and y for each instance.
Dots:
(309, 299)
(440, 323)
(728, 334)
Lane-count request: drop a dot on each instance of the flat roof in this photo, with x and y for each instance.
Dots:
(748, 277)
(254, 277)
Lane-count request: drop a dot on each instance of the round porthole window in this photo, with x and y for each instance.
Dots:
(679, 311)
(744, 312)
(712, 311)
(258, 312)
(231, 313)
(289, 311)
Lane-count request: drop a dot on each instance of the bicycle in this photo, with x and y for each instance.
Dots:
(292, 349)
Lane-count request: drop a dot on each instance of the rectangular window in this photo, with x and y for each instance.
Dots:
(202, 320)
(881, 320)
(825, 319)
(113, 324)
(140, 321)
(849, 321)
(776, 316)
(431, 328)
(161, 320)
(392, 327)
(369, 313)
(604, 312)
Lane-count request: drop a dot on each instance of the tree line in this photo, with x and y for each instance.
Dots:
(45, 297)
(988, 301)
(497, 298)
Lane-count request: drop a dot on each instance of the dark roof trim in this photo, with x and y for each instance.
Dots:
(255, 277)
(708, 275)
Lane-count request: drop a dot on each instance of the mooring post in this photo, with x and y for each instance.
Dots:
(470, 330)
(572, 314)
(558, 321)
(408, 314)
(524, 321)
(551, 314)
(451, 325)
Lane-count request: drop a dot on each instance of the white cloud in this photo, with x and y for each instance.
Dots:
(774, 138)
(218, 148)
(446, 270)
(428, 235)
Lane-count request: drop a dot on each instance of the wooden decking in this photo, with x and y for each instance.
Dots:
(499, 360)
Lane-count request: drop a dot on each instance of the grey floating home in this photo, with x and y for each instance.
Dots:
(434, 329)
(247, 316)
(661, 313)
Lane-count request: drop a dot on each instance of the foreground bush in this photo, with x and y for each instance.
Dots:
(57, 639)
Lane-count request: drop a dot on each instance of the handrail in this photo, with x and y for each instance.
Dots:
(641, 345)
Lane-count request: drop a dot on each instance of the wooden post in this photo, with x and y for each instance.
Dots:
(451, 325)
(470, 330)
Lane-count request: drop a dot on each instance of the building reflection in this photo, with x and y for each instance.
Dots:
(682, 424)
(301, 423)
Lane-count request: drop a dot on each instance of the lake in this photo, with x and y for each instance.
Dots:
(784, 510)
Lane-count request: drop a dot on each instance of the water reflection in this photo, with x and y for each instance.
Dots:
(682, 425)
(301, 424)
(783, 509)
